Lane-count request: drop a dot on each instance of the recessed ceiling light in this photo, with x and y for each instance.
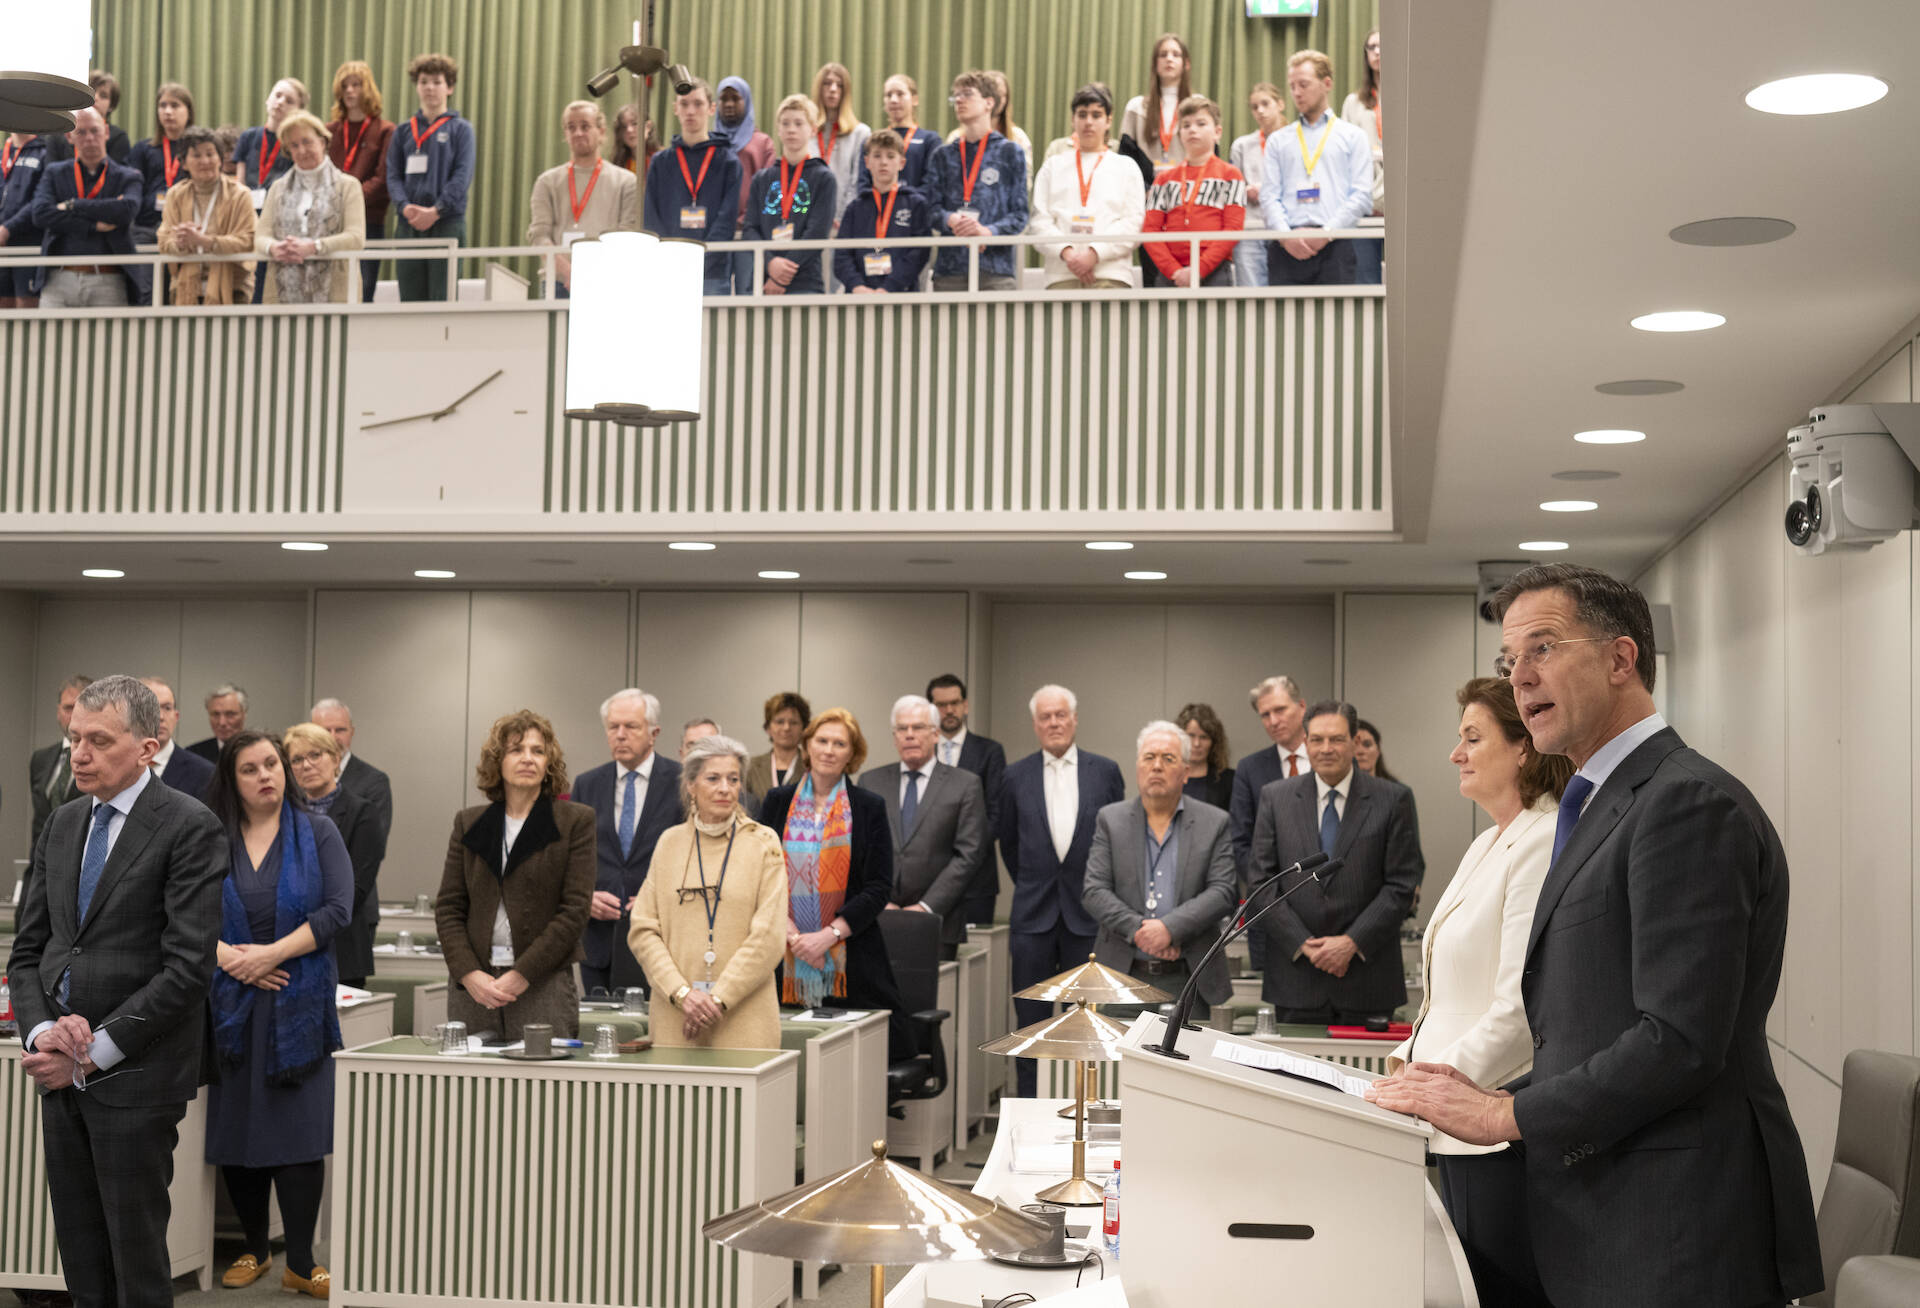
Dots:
(1678, 320)
(1109, 544)
(1816, 93)
(433, 574)
(1327, 563)
(103, 574)
(1609, 437)
(693, 546)
(778, 574)
(1568, 506)
(1146, 576)
(1542, 546)
(1732, 231)
(1640, 386)
(1586, 474)
(304, 546)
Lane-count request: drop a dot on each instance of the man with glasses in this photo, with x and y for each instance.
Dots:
(977, 186)
(1333, 950)
(1652, 1121)
(938, 815)
(959, 746)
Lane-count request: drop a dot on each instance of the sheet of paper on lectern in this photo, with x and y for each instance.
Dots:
(1273, 1059)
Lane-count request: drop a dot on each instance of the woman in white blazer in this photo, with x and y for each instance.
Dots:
(1471, 1014)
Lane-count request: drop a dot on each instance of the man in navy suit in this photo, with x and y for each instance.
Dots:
(1048, 808)
(87, 206)
(180, 769)
(960, 748)
(637, 797)
(1283, 713)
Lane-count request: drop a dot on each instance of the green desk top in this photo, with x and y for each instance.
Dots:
(698, 1059)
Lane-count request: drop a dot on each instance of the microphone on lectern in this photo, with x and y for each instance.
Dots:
(1319, 867)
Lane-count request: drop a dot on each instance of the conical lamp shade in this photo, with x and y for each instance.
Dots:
(1079, 1033)
(1092, 983)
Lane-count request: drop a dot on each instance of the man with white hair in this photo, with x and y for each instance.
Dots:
(637, 798)
(1160, 875)
(1047, 809)
(226, 718)
(938, 815)
(367, 782)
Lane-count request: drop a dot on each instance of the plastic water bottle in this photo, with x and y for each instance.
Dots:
(1110, 1224)
(6, 1004)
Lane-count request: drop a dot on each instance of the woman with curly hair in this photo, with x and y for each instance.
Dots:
(519, 877)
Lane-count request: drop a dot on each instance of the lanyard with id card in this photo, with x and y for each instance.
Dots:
(1080, 223)
(1311, 194)
(693, 216)
(710, 901)
(879, 263)
(784, 230)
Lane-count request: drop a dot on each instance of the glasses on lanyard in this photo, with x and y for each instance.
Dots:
(1537, 655)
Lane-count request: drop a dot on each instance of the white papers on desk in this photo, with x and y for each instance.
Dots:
(829, 1015)
(348, 996)
(1273, 1059)
(1045, 1148)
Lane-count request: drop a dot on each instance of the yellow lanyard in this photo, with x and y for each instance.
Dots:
(1311, 161)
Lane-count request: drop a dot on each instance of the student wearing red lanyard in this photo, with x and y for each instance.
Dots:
(901, 98)
(1201, 195)
(977, 185)
(85, 206)
(888, 207)
(1086, 190)
(162, 161)
(429, 171)
(1362, 109)
(358, 148)
(23, 158)
(841, 138)
(1268, 104)
(1153, 120)
(693, 186)
(583, 197)
(793, 200)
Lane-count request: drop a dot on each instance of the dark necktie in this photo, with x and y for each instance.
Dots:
(910, 806)
(1293, 765)
(1570, 804)
(62, 778)
(93, 862)
(1329, 824)
(627, 817)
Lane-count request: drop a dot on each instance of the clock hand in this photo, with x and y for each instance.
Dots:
(389, 422)
(469, 395)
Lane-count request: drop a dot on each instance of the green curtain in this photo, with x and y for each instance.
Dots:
(521, 60)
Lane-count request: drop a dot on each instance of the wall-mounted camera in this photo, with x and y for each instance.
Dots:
(1852, 482)
(1495, 573)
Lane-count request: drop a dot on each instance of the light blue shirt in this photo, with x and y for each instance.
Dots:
(103, 1051)
(1159, 867)
(1612, 754)
(1343, 173)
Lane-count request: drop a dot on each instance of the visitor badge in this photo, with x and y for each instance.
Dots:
(1308, 195)
(29, 163)
(1080, 224)
(568, 238)
(879, 265)
(416, 163)
(704, 987)
(967, 213)
(784, 232)
(259, 198)
(694, 215)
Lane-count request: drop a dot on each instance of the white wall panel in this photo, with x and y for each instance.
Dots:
(1113, 657)
(1216, 653)
(260, 644)
(103, 636)
(862, 650)
(26, 723)
(716, 655)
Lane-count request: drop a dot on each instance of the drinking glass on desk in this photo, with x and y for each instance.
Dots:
(403, 943)
(423, 905)
(604, 1044)
(1263, 1023)
(453, 1038)
(633, 1000)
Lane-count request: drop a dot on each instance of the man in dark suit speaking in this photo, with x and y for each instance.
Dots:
(109, 975)
(1661, 1163)
(1333, 948)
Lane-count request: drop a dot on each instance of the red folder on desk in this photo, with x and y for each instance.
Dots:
(1396, 1032)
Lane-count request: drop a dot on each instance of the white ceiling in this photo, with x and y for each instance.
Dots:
(1545, 151)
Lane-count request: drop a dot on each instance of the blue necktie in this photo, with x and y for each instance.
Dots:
(93, 862)
(910, 806)
(1570, 804)
(626, 817)
(1329, 824)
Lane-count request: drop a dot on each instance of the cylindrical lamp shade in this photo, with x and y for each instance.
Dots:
(43, 64)
(634, 330)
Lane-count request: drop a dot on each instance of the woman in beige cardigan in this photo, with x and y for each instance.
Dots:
(314, 210)
(210, 214)
(709, 922)
(1472, 1016)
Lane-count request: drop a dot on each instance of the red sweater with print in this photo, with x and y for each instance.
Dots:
(1210, 198)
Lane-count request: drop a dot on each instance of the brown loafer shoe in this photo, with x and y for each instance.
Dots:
(315, 1285)
(245, 1271)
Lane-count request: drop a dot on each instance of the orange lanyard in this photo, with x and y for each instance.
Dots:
(787, 186)
(1086, 179)
(968, 176)
(267, 157)
(693, 184)
(1193, 179)
(1379, 131)
(827, 139)
(353, 142)
(1166, 133)
(580, 202)
(172, 164)
(413, 125)
(8, 153)
(80, 186)
(1263, 142)
(883, 216)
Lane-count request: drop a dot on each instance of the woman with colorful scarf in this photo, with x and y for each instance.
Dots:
(839, 849)
(275, 1024)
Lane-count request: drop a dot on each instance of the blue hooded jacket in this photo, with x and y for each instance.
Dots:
(999, 198)
(668, 194)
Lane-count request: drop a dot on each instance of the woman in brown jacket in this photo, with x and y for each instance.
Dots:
(513, 901)
(210, 214)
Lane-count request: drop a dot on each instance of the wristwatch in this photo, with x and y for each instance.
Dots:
(838, 934)
(679, 994)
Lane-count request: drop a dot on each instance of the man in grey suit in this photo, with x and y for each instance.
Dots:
(49, 771)
(1160, 875)
(356, 774)
(109, 974)
(1661, 1164)
(939, 819)
(1333, 948)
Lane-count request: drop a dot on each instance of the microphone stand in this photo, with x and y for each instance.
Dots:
(1184, 1005)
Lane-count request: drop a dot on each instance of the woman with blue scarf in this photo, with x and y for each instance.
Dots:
(275, 1024)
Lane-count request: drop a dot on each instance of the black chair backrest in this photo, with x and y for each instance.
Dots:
(913, 946)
